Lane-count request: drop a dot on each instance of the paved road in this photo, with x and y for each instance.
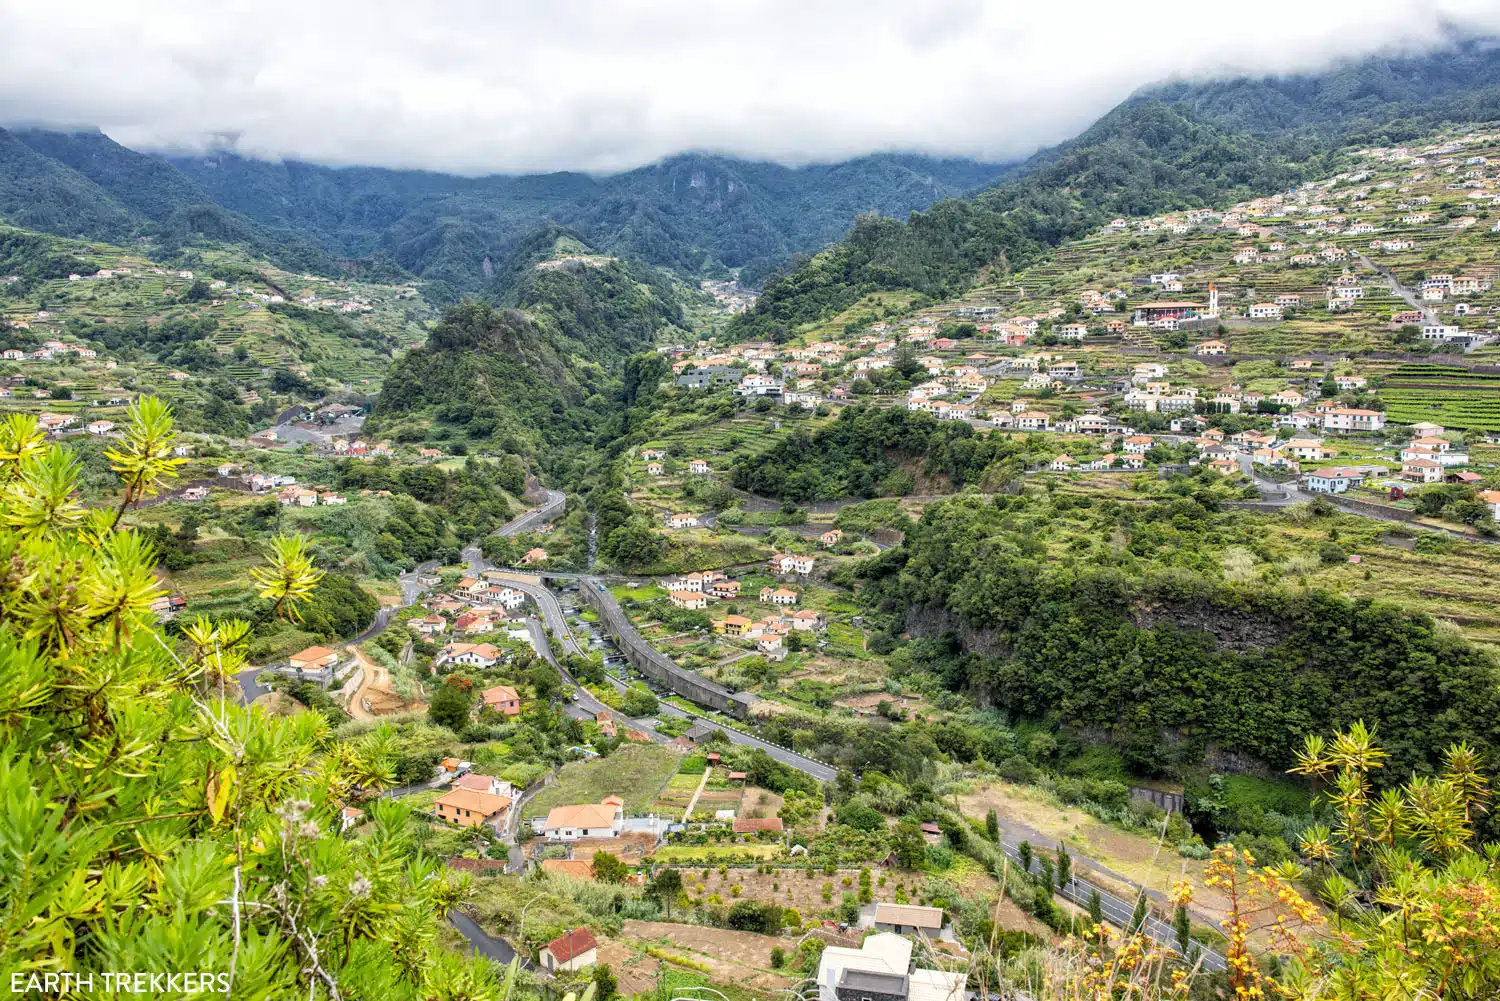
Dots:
(556, 623)
(1116, 910)
(497, 950)
(553, 506)
(250, 690)
(1401, 290)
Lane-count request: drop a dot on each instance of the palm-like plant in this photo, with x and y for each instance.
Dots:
(291, 576)
(144, 459)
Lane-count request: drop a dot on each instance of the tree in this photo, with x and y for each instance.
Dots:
(1023, 851)
(609, 869)
(606, 985)
(665, 888)
(1064, 867)
(750, 915)
(134, 787)
(450, 706)
(1182, 927)
(638, 702)
(643, 372)
(1096, 908)
(1138, 916)
(905, 361)
(992, 825)
(908, 844)
(544, 681)
(634, 545)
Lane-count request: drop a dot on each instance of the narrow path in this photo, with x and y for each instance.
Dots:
(1405, 293)
(696, 793)
(371, 674)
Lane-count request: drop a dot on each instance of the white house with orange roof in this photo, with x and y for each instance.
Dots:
(605, 819)
(691, 600)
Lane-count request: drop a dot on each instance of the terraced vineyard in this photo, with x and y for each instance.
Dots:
(252, 334)
(748, 434)
(1444, 394)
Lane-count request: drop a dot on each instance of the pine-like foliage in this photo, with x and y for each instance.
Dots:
(151, 823)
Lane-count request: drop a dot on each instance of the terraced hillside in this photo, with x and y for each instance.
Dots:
(1443, 394)
(227, 337)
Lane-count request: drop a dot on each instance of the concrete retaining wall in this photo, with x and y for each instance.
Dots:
(658, 666)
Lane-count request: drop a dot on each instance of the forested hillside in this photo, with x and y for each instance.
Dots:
(537, 372)
(86, 185)
(695, 213)
(1170, 663)
(1179, 146)
(1378, 100)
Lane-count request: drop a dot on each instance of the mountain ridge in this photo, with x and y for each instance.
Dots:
(1177, 146)
(696, 213)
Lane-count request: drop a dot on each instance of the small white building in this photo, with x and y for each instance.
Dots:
(585, 820)
(571, 951)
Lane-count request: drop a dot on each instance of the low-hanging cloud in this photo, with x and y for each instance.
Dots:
(481, 86)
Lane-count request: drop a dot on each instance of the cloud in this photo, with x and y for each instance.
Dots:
(480, 86)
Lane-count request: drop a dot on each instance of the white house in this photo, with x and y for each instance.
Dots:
(1333, 481)
(1441, 332)
(1351, 419)
(571, 951)
(585, 820)
(792, 563)
(1032, 420)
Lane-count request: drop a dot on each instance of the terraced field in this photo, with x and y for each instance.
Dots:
(1444, 394)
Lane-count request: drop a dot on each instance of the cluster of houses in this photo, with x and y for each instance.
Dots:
(694, 591)
(1426, 458)
(299, 496)
(362, 448)
(477, 605)
(48, 351)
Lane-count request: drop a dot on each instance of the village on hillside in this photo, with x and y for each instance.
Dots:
(1342, 337)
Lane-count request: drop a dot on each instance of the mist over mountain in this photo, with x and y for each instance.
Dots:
(695, 213)
(704, 215)
(1180, 145)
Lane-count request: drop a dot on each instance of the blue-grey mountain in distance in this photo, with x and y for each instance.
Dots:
(701, 214)
(694, 213)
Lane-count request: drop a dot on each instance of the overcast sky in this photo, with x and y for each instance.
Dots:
(480, 86)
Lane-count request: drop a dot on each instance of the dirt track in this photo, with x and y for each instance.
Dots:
(375, 691)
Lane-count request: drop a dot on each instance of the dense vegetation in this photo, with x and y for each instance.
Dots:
(150, 824)
(870, 452)
(85, 185)
(487, 374)
(33, 258)
(1169, 662)
(1142, 158)
(547, 375)
(697, 214)
(1379, 101)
